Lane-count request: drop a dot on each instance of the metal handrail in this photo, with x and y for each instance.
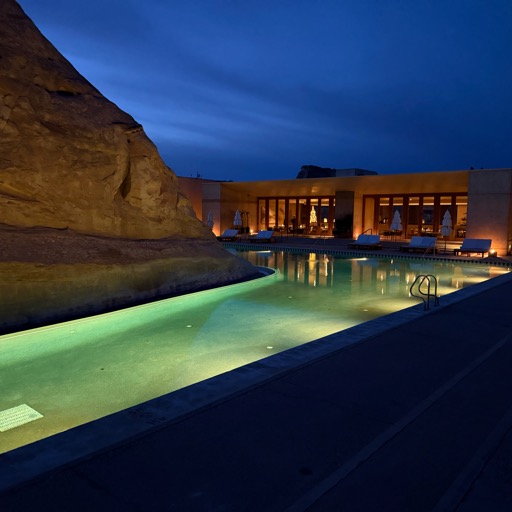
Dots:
(425, 297)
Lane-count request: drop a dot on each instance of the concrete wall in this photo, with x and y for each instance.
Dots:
(369, 216)
(358, 214)
(223, 200)
(344, 208)
(192, 189)
(490, 207)
(211, 202)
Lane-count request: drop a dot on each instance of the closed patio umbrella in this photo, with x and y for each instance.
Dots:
(237, 222)
(446, 227)
(396, 223)
(209, 220)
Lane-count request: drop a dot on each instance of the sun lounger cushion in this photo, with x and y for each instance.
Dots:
(476, 245)
(419, 243)
(263, 236)
(229, 234)
(368, 241)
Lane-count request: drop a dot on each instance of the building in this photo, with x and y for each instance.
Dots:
(479, 203)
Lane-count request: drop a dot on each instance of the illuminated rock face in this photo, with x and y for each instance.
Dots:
(69, 158)
(91, 219)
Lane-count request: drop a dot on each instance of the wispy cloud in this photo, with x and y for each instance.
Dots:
(247, 90)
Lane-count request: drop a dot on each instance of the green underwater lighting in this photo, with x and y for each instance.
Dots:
(75, 372)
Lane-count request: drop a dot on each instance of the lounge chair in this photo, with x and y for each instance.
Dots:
(229, 235)
(263, 236)
(366, 242)
(420, 244)
(474, 245)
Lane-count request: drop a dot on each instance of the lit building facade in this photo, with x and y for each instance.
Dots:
(479, 203)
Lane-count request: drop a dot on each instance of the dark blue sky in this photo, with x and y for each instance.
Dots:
(248, 90)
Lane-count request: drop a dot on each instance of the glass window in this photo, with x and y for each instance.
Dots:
(384, 214)
(413, 217)
(427, 218)
(303, 217)
(272, 214)
(262, 214)
(314, 217)
(292, 216)
(459, 216)
(281, 214)
(324, 215)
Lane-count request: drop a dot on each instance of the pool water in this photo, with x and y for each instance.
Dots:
(74, 372)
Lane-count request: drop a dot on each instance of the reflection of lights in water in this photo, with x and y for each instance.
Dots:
(299, 270)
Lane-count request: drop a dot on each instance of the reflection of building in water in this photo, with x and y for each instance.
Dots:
(310, 269)
(376, 276)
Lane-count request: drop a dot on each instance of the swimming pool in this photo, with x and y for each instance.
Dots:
(78, 371)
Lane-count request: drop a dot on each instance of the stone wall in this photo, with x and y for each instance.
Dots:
(70, 158)
(91, 218)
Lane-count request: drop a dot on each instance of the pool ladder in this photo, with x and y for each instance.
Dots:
(422, 281)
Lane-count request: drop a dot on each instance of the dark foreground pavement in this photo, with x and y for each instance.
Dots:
(416, 418)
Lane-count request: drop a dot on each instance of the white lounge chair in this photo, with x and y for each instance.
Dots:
(263, 236)
(420, 244)
(366, 242)
(229, 235)
(474, 245)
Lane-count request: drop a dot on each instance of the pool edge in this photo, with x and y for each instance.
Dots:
(32, 461)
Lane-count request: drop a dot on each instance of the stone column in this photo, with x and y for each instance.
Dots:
(490, 207)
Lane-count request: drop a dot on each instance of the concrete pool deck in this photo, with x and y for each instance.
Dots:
(412, 411)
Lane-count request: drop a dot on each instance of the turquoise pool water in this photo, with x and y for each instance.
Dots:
(78, 371)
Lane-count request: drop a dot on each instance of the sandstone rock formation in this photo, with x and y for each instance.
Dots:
(77, 173)
(69, 157)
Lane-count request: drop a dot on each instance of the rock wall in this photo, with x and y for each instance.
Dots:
(69, 158)
(91, 219)
(47, 276)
